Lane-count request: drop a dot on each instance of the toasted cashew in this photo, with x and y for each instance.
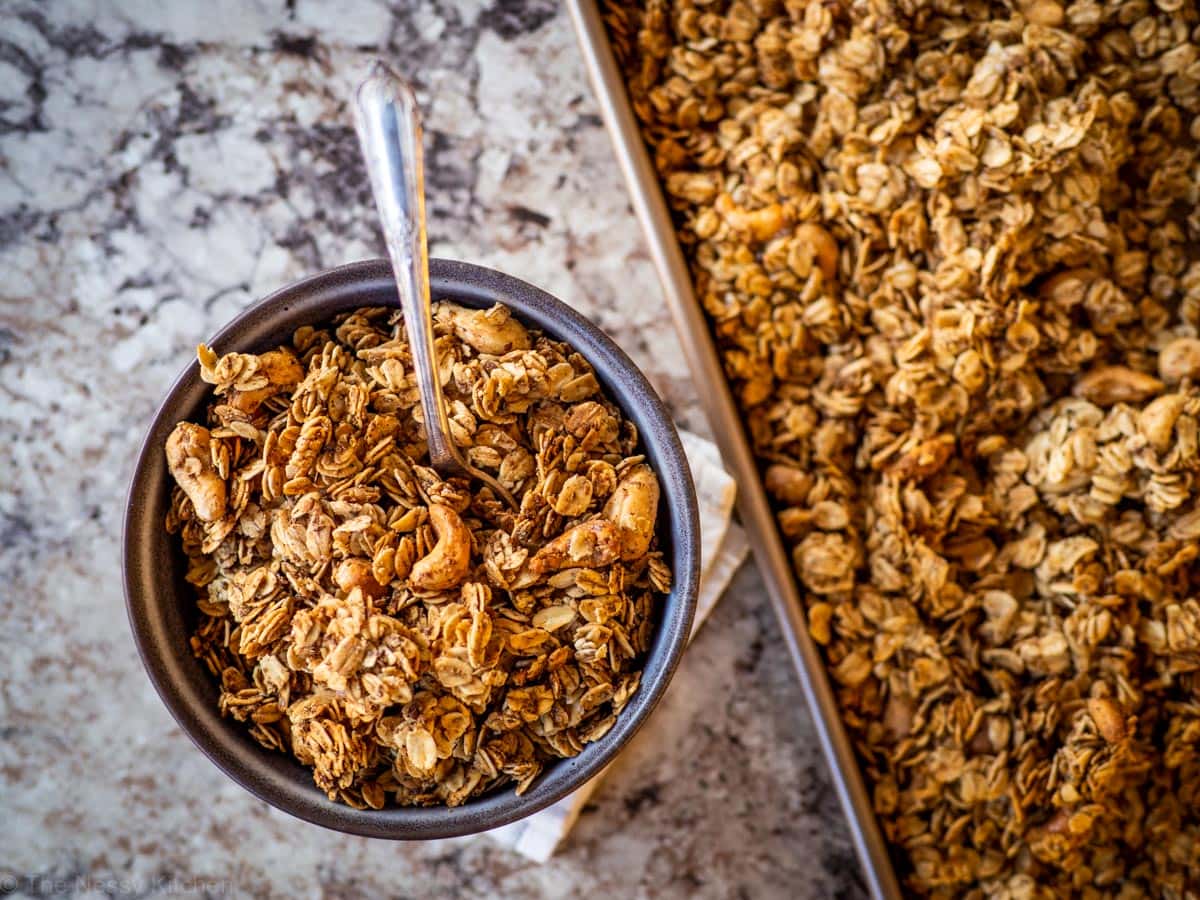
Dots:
(787, 484)
(821, 245)
(356, 573)
(1042, 12)
(759, 224)
(492, 331)
(596, 542)
(447, 564)
(633, 507)
(1106, 385)
(1157, 420)
(283, 372)
(923, 460)
(1179, 359)
(189, 458)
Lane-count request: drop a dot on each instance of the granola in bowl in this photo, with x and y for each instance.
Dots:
(947, 252)
(409, 637)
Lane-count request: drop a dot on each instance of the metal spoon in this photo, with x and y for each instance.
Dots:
(389, 132)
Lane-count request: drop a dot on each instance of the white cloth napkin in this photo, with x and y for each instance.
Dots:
(723, 546)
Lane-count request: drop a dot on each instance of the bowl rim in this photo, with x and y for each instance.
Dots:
(227, 742)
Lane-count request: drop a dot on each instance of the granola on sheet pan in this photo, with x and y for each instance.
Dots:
(948, 254)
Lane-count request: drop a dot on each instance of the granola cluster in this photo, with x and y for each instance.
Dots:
(409, 637)
(948, 251)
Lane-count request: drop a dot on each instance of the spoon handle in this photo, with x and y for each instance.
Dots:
(389, 129)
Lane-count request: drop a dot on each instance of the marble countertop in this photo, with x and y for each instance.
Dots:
(164, 163)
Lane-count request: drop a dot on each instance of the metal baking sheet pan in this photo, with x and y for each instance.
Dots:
(753, 507)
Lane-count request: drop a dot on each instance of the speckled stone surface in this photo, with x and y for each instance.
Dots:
(162, 164)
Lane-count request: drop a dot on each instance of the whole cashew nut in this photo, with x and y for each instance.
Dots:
(273, 372)
(1157, 420)
(447, 564)
(1107, 385)
(1179, 359)
(357, 573)
(633, 508)
(820, 244)
(189, 459)
(759, 224)
(493, 331)
(283, 372)
(591, 544)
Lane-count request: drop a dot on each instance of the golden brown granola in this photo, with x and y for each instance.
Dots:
(409, 637)
(948, 253)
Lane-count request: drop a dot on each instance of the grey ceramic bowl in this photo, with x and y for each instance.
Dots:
(161, 605)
